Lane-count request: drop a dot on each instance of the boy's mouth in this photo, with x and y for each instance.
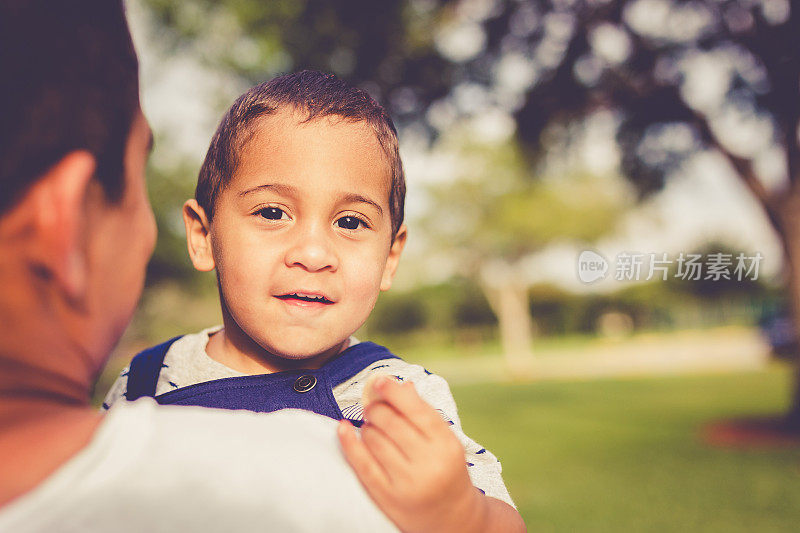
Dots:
(305, 297)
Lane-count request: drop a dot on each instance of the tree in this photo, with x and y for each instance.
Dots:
(682, 77)
(494, 215)
(386, 47)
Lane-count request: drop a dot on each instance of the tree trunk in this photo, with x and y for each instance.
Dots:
(508, 298)
(788, 215)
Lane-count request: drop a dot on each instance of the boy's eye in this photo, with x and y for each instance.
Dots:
(272, 213)
(349, 222)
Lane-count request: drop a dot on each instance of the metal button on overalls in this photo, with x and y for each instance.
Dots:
(305, 383)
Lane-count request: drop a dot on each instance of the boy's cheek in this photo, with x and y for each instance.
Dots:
(367, 281)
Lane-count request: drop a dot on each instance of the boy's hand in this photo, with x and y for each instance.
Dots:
(411, 464)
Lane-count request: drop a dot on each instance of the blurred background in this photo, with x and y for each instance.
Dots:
(651, 397)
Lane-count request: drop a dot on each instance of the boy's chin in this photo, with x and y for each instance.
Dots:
(301, 351)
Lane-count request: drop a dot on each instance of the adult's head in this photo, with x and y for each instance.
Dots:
(75, 225)
(70, 82)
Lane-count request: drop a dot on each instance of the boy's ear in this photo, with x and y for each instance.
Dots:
(198, 239)
(58, 204)
(394, 257)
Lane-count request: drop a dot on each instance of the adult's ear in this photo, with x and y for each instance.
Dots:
(394, 257)
(58, 204)
(198, 239)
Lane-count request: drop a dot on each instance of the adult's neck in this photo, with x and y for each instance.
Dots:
(40, 360)
(45, 381)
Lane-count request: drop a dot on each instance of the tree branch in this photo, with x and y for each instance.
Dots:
(793, 152)
(743, 166)
(744, 169)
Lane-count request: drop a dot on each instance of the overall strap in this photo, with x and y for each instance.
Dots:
(263, 393)
(308, 389)
(355, 359)
(144, 370)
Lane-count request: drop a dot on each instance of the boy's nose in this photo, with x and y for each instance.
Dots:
(313, 251)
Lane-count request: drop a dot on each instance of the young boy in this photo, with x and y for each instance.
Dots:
(299, 209)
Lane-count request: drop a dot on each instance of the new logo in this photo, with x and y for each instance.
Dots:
(591, 266)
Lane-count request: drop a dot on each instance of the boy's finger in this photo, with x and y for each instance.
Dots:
(404, 398)
(406, 436)
(386, 453)
(368, 471)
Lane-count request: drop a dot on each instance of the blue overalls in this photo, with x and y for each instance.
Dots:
(311, 390)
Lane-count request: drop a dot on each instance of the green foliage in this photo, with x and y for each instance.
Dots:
(497, 207)
(452, 305)
(398, 313)
(470, 308)
(168, 191)
(386, 46)
(721, 288)
(453, 309)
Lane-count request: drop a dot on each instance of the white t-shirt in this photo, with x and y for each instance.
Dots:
(187, 363)
(153, 468)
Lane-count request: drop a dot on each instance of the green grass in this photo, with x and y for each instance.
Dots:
(627, 455)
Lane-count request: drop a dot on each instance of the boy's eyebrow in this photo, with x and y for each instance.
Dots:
(281, 189)
(352, 197)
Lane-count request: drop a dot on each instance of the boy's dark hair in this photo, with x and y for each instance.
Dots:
(317, 95)
(70, 81)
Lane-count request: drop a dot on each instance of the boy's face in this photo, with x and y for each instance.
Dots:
(301, 238)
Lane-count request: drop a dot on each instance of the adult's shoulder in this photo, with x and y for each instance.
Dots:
(178, 468)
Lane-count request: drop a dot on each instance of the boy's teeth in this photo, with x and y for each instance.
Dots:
(308, 296)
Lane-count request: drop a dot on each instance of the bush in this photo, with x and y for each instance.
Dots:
(398, 313)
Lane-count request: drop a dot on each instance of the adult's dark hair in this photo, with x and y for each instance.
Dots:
(317, 95)
(69, 81)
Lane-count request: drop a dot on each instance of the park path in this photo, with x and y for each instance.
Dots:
(685, 352)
